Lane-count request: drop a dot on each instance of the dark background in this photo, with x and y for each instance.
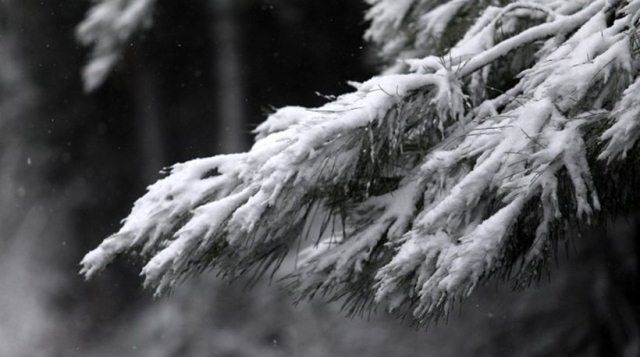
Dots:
(195, 84)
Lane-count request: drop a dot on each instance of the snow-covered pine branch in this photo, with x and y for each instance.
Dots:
(108, 28)
(426, 180)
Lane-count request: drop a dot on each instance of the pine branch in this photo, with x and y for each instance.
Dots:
(108, 28)
(418, 186)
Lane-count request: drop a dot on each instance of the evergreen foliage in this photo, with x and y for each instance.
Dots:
(108, 27)
(496, 128)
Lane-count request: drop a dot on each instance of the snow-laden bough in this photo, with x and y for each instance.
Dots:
(470, 154)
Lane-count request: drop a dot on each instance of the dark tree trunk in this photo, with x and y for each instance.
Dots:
(228, 79)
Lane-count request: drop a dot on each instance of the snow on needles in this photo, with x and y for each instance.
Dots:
(108, 27)
(416, 181)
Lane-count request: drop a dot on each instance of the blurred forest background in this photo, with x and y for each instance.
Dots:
(192, 85)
